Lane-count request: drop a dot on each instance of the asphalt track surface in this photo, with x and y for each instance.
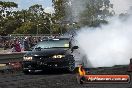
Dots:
(59, 79)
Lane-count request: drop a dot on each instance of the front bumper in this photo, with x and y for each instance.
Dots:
(41, 65)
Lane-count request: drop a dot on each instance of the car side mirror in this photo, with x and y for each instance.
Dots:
(74, 47)
(38, 49)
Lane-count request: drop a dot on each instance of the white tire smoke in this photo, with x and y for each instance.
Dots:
(108, 45)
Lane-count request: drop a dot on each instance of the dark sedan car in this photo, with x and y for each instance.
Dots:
(53, 53)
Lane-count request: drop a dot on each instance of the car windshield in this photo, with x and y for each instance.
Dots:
(53, 44)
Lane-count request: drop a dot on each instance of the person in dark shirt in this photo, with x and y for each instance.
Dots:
(26, 44)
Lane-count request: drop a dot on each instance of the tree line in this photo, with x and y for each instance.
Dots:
(35, 20)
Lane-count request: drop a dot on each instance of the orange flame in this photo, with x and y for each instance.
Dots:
(81, 71)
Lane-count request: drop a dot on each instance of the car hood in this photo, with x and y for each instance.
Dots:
(48, 52)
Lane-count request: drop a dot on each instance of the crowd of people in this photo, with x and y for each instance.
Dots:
(18, 44)
(21, 43)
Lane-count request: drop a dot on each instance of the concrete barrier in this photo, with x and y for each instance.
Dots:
(11, 57)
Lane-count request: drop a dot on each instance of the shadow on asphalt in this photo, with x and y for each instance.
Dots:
(51, 72)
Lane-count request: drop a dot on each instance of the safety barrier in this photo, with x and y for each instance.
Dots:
(11, 57)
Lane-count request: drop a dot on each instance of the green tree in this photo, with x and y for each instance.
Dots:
(59, 9)
(35, 17)
(26, 28)
(96, 12)
(40, 18)
(6, 8)
(60, 14)
(11, 25)
(6, 20)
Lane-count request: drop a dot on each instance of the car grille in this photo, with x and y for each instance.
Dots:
(46, 58)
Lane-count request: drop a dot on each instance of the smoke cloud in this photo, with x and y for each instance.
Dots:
(109, 45)
(121, 6)
(75, 8)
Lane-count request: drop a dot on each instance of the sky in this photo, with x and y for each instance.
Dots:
(25, 4)
(120, 6)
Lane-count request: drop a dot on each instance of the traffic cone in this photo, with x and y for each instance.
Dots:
(130, 66)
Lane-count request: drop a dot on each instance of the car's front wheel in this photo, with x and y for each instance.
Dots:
(71, 66)
(26, 72)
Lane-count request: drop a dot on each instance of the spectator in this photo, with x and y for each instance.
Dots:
(26, 44)
(6, 45)
(16, 46)
(31, 44)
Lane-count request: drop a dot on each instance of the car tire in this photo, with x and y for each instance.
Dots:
(71, 67)
(26, 72)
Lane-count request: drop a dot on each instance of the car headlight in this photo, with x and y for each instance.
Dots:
(27, 58)
(58, 56)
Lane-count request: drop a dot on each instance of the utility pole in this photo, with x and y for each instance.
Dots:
(37, 29)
